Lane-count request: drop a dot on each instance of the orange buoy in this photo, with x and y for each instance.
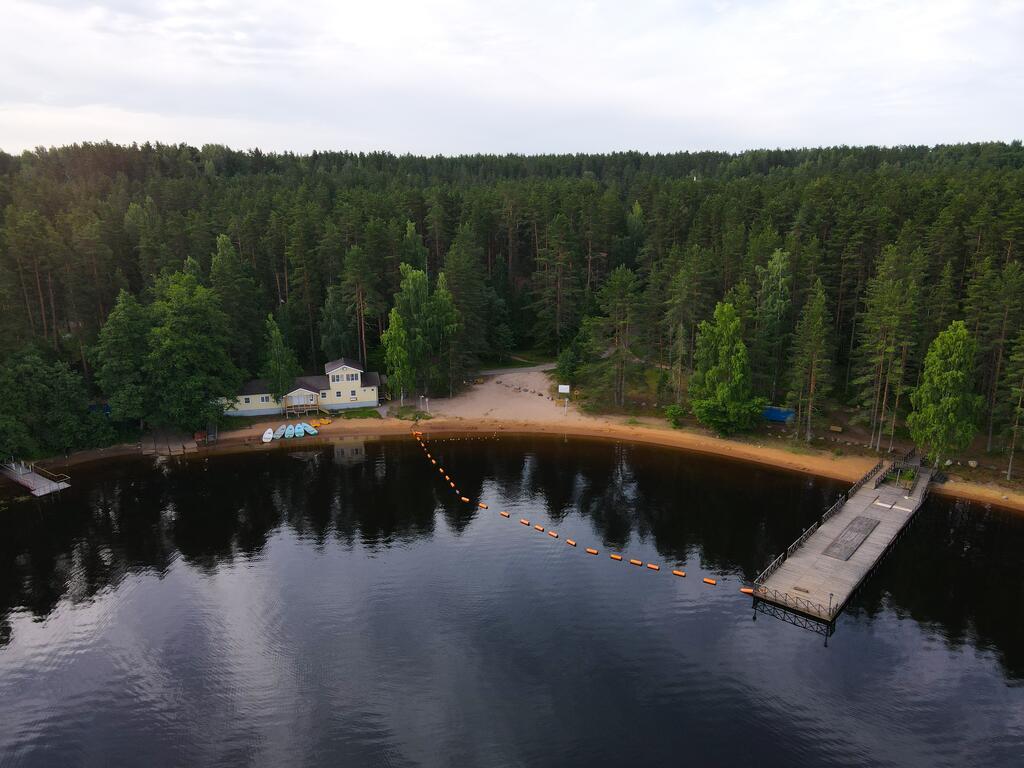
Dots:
(539, 528)
(552, 534)
(591, 551)
(746, 590)
(636, 562)
(452, 484)
(524, 521)
(433, 461)
(616, 557)
(654, 567)
(503, 514)
(570, 542)
(465, 499)
(712, 582)
(447, 478)
(440, 470)
(678, 573)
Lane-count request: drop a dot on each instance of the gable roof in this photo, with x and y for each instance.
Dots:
(346, 361)
(371, 379)
(312, 384)
(256, 387)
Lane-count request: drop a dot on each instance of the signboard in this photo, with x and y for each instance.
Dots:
(563, 389)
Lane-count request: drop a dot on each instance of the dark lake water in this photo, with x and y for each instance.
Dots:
(343, 607)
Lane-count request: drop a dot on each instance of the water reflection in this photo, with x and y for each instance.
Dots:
(343, 601)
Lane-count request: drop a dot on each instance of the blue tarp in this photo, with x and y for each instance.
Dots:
(782, 415)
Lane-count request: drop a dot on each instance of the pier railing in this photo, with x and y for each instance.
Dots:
(794, 600)
(797, 603)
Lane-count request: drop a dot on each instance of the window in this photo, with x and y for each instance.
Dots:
(352, 377)
(323, 395)
(264, 398)
(352, 396)
(312, 398)
(246, 399)
(335, 378)
(337, 395)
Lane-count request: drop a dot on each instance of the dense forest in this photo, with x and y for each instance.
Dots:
(155, 278)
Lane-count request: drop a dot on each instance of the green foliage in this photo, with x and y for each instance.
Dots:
(401, 377)
(188, 366)
(123, 345)
(945, 409)
(904, 240)
(720, 391)
(810, 370)
(240, 301)
(44, 408)
(280, 367)
(359, 413)
(675, 415)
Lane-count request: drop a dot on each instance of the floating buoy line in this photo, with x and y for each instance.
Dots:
(653, 567)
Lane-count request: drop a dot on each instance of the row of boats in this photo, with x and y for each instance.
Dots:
(289, 431)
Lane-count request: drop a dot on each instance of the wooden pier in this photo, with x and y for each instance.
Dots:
(38, 481)
(812, 581)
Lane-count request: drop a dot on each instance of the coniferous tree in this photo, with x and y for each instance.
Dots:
(721, 394)
(812, 357)
(612, 331)
(772, 330)
(945, 406)
(188, 365)
(280, 366)
(120, 356)
(1013, 392)
(240, 300)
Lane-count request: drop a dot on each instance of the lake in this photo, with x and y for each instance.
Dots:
(342, 606)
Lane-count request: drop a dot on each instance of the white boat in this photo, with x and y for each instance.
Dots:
(268, 435)
(279, 432)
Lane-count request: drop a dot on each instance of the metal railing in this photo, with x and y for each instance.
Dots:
(809, 531)
(797, 603)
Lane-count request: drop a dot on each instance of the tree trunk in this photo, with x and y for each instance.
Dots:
(1016, 427)
(810, 396)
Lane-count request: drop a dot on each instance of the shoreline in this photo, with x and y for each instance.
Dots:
(813, 461)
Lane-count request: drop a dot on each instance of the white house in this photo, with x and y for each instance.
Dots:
(344, 384)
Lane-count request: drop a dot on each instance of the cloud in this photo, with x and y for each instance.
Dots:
(529, 76)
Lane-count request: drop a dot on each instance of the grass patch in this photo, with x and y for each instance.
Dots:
(357, 413)
(410, 413)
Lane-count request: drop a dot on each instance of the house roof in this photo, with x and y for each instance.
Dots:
(371, 379)
(312, 384)
(347, 361)
(256, 387)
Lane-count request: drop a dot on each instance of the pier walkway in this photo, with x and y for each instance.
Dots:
(36, 479)
(819, 572)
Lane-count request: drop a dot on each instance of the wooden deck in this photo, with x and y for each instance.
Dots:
(165, 443)
(39, 483)
(819, 573)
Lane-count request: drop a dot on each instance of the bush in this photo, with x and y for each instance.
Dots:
(675, 415)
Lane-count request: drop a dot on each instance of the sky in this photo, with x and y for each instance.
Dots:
(491, 76)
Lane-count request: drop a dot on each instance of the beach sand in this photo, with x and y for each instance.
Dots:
(522, 402)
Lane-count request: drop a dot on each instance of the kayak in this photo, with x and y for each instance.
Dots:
(309, 429)
(289, 433)
(279, 432)
(299, 431)
(268, 436)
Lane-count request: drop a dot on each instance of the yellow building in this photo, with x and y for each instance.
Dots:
(344, 384)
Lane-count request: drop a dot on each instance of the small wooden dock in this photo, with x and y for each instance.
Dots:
(166, 443)
(816, 576)
(38, 481)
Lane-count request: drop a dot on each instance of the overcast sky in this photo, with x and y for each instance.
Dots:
(482, 76)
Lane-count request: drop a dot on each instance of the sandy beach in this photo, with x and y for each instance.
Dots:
(520, 402)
